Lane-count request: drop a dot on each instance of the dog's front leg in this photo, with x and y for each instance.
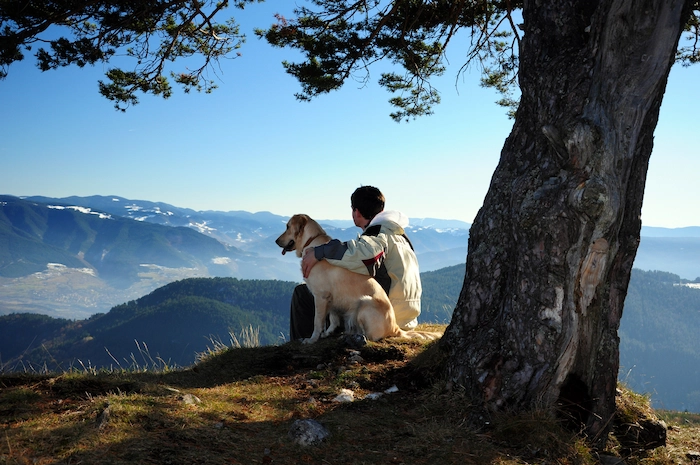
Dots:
(334, 323)
(321, 310)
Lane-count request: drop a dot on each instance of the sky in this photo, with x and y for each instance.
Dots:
(250, 145)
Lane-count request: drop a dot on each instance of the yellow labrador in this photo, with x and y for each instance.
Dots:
(358, 299)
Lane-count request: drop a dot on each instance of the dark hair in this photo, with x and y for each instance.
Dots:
(368, 200)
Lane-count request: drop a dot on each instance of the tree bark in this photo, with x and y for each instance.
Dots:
(552, 248)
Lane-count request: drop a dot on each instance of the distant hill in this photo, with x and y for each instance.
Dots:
(659, 349)
(675, 254)
(441, 289)
(659, 331)
(172, 324)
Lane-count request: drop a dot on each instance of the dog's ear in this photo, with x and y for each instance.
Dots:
(302, 220)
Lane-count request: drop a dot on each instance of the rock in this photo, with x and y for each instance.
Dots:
(102, 417)
(377, 395)
(355, 341)
(190, 399)
(346, 395)
(355, 359)
(645, 433)
(307, 432)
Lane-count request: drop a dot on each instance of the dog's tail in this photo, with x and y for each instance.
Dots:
(413, 334)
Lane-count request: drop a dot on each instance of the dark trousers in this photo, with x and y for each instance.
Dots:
(301, 313)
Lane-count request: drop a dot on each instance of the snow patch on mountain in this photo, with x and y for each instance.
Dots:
(53, 269)
(84, 210)
(202, 227)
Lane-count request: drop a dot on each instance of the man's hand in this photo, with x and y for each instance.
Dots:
(308, 261)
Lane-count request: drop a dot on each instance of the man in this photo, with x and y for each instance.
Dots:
(383, 251)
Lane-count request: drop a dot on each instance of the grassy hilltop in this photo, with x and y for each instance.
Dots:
(236, 406)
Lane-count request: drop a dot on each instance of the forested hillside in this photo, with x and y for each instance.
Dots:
(659, 340)
(177, 321)
(659, 355)
(168, 327)
(440, 291)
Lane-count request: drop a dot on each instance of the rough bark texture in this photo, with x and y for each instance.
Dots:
(551, 250)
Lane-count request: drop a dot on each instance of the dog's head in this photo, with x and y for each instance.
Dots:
(293, 237)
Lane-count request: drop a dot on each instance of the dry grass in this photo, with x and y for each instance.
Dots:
(236, 407)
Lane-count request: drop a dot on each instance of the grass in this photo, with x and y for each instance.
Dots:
(236, 406)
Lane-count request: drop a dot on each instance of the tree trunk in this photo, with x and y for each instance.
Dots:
(551, 250)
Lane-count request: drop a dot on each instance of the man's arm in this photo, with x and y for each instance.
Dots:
(364, 255)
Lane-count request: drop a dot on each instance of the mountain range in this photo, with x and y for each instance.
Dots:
(76, 256)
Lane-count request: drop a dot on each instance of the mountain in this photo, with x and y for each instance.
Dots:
(254, 233)
(76, 256)
(654, 231)
(114, 247)
(73, 261)
(440, 291)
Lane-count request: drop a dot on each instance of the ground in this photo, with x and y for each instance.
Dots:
(236, 406)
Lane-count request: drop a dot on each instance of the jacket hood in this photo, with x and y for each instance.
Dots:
(385, 218)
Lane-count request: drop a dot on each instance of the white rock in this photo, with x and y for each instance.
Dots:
(346, 395)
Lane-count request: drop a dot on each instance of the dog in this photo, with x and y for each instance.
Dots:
(357, 299)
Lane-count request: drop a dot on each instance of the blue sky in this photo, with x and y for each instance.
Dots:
(252, 146)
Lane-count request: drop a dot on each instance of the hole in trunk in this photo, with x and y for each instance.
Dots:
(574, 405)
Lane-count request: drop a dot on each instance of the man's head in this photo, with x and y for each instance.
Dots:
(368, 201)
